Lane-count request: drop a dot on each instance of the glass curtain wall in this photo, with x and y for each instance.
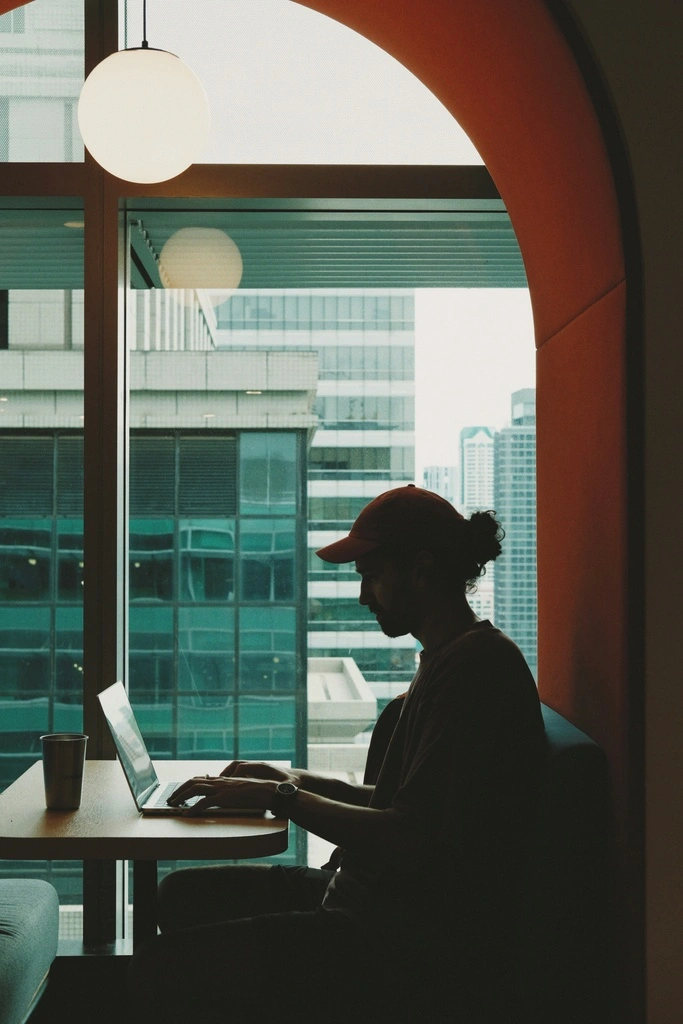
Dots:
(41, 494)
(214, 663)
(41, 74)
(217, 517)
(253, 426)
(41, 407)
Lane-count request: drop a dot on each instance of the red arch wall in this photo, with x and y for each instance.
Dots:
(507, 74)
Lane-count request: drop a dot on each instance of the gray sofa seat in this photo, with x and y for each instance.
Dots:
(29, 925)
(565, 935)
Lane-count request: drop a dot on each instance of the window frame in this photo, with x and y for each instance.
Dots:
(104, 198)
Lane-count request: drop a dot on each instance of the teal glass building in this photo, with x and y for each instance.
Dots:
(364, 442)
(217, 563)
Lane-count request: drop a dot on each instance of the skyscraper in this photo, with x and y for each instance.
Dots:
(477, 493)
(364, 443)
(515, 606)
(217, 535)
(443, 480)
(476, 469)
(41, 73)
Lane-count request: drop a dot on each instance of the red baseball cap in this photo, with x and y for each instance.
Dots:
(407, 516)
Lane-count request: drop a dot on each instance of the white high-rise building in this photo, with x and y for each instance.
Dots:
(516, 606)
(477, 494)
(364, 443)
(443, 480)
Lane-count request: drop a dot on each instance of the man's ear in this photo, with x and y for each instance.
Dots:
(423, 563)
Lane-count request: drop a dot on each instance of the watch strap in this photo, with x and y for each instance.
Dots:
(283, 799)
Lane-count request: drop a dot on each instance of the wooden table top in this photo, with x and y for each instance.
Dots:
(108, 825)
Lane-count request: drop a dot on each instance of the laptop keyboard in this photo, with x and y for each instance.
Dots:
(162, 794)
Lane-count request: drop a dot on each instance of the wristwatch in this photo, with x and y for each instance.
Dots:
(283, 798)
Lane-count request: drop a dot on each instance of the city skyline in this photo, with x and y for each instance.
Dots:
(493, 355)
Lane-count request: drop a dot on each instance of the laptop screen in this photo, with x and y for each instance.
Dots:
(130, 745)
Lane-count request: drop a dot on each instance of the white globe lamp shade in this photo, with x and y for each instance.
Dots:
(143, 115)
(201, 258)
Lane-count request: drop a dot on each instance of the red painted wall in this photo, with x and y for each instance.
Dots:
(504, 70)
(9, 5)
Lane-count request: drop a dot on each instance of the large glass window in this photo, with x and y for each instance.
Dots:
(195, 641)
(268, 559)
(41, 74)
(206, 641)
(207, 560)
(41, 437)
(268, 649)
(268, 481)
(259, 422)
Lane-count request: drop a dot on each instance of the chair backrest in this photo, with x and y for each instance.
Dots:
(564, 935)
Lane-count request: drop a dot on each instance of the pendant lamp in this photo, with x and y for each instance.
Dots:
(143, 114)
(200, 258)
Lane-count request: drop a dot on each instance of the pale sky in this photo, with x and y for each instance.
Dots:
(473, 348)
(286, 84)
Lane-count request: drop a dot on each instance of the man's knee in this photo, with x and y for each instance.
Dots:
(190, 897)
(174, 897)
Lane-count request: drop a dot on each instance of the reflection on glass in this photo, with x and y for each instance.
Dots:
(24, 560)
(268, 473)
(267, 548)
(151, 642)
(151, 559)
(328, 614)
(206, 657)
(267, 727)
(206, 727)
(41, 410)
(267, 649)
(24, 651)
(207, 559)
(69, 664)
(196, 554)
(23, 720)
(70, 559)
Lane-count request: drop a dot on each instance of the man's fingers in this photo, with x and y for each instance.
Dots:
(200, 806)
(187, 789)
(247, 770)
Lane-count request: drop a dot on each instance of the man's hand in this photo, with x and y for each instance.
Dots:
(260, 770)
(217, 791)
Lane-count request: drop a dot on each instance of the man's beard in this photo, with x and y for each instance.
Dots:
(391, 625)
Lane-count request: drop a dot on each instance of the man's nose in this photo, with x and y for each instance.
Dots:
(363, 596)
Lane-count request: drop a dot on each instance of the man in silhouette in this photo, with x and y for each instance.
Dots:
(415, 918)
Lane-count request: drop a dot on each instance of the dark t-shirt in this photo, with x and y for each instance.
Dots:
(462, 769)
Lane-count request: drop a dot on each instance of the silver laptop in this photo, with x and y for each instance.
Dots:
(149, 793)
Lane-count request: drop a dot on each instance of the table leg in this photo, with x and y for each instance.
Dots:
(104, 902)
(144, 901)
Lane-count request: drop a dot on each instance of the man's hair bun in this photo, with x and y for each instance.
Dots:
(486, 535)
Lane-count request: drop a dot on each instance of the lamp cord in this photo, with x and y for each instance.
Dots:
(145, 44)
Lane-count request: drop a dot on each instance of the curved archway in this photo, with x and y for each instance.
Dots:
(507, 73)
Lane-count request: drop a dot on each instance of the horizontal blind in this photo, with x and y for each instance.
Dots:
(70, 476)
(207, 476)
(152, 476)
(26, 476)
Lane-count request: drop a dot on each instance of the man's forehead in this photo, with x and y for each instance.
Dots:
(370, 560)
